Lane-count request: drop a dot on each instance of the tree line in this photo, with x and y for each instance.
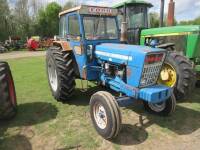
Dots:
(154, 20)
(26, 19)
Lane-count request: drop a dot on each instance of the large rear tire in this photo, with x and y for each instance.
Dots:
(8, 102)
(177, 72)
(60, 72)
(105, 114)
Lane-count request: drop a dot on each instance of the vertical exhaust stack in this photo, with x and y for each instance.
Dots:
(162, 12)
(124, 26)
(170, 16)
(124, 37)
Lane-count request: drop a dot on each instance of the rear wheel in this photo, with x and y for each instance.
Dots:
(165, 108)
(177, 72)
(105, 114)
(8, 102)
(60, 73)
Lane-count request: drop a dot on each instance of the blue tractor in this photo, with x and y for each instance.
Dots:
(89, 48)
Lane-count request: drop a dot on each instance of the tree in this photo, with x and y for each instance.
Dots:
(4, 19)
(154, 20)
(21, 19)
(69, 5)
(191, 22)
(48, 21)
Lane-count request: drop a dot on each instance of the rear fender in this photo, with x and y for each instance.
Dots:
(63, 44)
(66, 47)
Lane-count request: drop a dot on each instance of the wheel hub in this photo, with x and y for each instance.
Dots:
(53, 78)
(164, 75)
(157, 107)
(100, 116)
(168, 75)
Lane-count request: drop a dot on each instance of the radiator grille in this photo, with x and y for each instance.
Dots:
(151, 73)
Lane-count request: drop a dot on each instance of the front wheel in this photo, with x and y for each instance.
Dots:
(165, 108)
(105, 114)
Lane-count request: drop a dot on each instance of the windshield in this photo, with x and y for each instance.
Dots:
(98, 27)
(137, 17)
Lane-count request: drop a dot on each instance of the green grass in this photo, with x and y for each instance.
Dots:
(43, 122)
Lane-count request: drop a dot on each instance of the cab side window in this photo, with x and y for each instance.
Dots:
(63, 26)
(73, 26)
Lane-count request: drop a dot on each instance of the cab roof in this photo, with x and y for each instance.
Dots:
(91, 10)
(132, 2)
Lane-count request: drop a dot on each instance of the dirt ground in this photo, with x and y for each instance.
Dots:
(21, 54)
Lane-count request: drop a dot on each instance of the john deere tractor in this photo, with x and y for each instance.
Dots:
(89, 48)
(181, 42)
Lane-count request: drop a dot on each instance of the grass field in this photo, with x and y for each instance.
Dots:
(43, 123)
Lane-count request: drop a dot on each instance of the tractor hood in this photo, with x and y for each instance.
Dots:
(174, 30)
(130, 55)
(124, 53)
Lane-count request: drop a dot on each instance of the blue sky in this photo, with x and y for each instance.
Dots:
(185, 9)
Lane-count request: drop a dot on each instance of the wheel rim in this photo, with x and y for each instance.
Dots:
(168, 75)
(53, 78)
(157, 107)
(100, 116)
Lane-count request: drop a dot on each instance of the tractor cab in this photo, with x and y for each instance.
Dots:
(135, 14)
(89, 24)
(85, 27)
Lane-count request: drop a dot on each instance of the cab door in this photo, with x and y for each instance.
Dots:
(75, 37)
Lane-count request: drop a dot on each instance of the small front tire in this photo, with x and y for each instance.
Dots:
(165, 108)
(105, 114)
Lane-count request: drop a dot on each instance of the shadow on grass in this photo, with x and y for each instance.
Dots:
(83, 98)
(28, 114)
(34, 113)
(195, 96)
(18, 142)
(131, 135)
(182, 122)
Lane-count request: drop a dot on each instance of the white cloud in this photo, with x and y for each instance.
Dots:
(197, 3)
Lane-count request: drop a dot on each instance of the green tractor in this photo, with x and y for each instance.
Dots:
(182, 66)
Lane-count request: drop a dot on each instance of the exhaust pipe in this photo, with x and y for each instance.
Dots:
(162, 12)
(124, 37)
(170, 16)
(124, 27)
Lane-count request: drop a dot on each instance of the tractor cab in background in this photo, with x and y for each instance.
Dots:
(135, 14)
